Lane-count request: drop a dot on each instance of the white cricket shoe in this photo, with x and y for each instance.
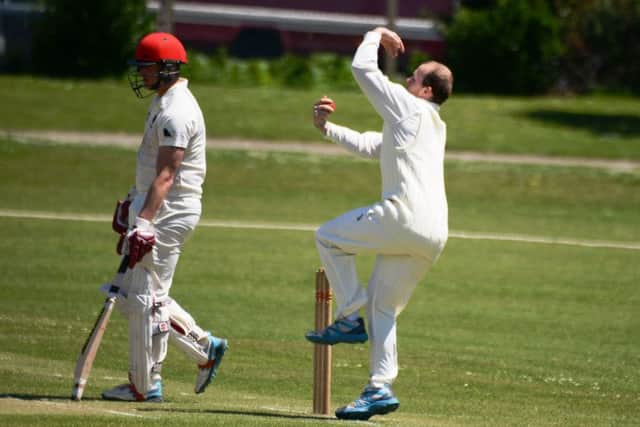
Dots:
(128, 393)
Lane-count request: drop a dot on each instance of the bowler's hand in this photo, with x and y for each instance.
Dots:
(391, 41)
(321, 111)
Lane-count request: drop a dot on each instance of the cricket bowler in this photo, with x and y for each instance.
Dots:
(407, 229)
(158, 215)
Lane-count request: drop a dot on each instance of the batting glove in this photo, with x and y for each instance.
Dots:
(120, 222)
(121, 246)
(140, 239)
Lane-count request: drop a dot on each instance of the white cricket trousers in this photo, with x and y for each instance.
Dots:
(151, 313)
(378, 229)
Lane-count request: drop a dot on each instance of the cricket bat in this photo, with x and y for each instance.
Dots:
(91, 345)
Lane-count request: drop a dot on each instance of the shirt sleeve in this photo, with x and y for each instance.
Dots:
(173, 132)
(392, 101)
(365, 144)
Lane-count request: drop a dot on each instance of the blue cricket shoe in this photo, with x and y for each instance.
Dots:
(341, 331)
(372, 401)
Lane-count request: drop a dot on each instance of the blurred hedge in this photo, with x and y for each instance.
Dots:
(88, 38)
(315, 71)
(603, 44)
(537, 46)
(512, 47)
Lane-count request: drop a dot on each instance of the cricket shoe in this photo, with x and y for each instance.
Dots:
(372, 401)
(207, 372)
(128, 393)
(341, 331)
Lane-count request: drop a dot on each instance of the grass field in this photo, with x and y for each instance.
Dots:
(571, 202)
(498, 334)
(589, 126)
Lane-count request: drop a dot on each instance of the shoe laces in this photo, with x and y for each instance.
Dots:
(345, 326)
(372, 394)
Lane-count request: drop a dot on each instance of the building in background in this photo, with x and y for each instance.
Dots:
(269, 28)
(258, 28)
(17, 20)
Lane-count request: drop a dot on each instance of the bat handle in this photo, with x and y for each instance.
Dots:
(115, 283)
(124, 264)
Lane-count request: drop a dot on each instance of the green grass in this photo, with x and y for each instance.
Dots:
(549, 201)
(590, 126)
(502, 341)
(498, 333)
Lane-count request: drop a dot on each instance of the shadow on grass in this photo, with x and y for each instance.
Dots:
(264, 414)
(626, 125)
(242, 413)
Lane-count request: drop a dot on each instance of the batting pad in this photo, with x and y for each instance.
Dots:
(186, 335)
(160, 338)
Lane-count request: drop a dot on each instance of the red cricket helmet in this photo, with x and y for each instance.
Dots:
(159, 47)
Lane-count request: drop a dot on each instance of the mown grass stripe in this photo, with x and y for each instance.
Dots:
(133, 140)
(468, 235)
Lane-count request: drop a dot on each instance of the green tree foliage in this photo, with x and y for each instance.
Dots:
(603, 43)
(512, 47)
(89, 38)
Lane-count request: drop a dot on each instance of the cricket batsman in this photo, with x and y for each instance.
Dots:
(158, 215)
(407, 229)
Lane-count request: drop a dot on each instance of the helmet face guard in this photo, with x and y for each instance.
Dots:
(163, 49)
(169, 71)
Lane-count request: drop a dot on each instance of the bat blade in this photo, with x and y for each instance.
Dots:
(90, 350)
(91, 345)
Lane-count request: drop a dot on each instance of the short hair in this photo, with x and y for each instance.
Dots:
(441, 82)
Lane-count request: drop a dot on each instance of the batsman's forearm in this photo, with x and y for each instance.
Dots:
(156, 195)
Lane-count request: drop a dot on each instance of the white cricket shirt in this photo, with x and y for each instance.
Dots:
(411, 146)
(174, 120)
